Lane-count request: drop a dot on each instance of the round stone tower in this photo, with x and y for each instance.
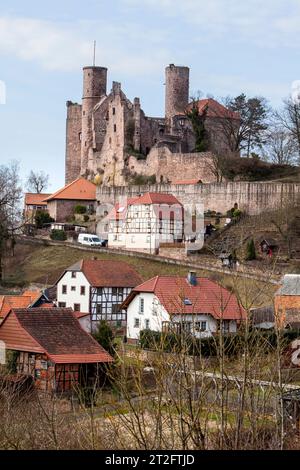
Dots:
(94, 86)
(177, 90)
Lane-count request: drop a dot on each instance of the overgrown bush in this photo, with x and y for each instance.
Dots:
(141, 180)
(233, 343)
(79, 209)
(58, 235)
(42, 217)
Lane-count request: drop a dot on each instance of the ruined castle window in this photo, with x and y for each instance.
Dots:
(83, 113)
(115, 128)
(147, 150)
(110, 140)
(161, 178)
(161, 131)
(114, 111)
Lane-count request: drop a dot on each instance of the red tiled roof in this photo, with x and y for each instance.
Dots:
(155, 198)
(56, 333)
(7, 302)
(33, 294)
(80, 189)
(36, 199)
(191, 181)
(214, 108)
(120, 210)
(81, 314)
(207, 297)
(107, 273)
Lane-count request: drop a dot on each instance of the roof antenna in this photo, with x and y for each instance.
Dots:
(94, 56)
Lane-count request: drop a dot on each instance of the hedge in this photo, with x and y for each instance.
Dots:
(234, 343)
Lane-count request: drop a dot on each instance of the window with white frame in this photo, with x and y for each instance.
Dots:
(154, 307)
(201, 325)
(147, 324)
(136, 323)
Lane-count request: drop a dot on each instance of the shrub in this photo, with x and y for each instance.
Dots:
(141, 180)
(41, 218)
(79, 209)
(234, 343)
(105, 337)
(237, 213)
(58, 235)
(86, 218)
(250, 253)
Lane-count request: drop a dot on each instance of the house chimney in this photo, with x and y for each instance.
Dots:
(192, 278)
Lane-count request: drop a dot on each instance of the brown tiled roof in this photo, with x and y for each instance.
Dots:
(207, 297)
(214, 109)
(36, 199)
(155, 198)
(80, 189)
(56, 332)
(107, 273)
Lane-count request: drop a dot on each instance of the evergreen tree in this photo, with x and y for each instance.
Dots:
(251, 254)
(105, 337)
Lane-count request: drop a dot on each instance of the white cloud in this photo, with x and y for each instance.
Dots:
(68, 46)
(41, 41)
(267, 23)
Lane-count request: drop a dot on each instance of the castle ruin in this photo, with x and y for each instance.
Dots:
(109, 139)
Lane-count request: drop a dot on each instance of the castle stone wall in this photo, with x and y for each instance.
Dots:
(171, 167)
(252, 197)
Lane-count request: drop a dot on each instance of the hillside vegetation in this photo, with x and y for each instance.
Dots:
(42, 265)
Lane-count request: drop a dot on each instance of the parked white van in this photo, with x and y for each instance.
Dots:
(89, 239)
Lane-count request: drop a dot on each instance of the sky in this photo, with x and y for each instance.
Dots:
(229, 45)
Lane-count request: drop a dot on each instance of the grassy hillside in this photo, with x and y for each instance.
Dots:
(42, 265)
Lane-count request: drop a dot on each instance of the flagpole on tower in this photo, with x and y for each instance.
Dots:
(94, 56)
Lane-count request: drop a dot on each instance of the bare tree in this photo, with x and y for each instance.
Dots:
(289, 118)
(37, 181)
(281, 146)
(10, 198)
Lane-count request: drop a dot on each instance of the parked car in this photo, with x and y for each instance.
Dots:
(89, 239)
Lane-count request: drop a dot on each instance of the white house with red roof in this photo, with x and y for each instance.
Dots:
(144, 222)
(97, 287)
(193, 304)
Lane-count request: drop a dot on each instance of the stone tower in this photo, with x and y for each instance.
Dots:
(177, 91)
(94, 87)
(73, 141)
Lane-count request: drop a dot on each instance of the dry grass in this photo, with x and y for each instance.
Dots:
(44, 264)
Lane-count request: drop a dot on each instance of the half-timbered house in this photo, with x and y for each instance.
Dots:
(97, 287)
(53, 348)
(145, 222)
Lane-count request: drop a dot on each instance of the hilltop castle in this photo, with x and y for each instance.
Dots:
(110, 139)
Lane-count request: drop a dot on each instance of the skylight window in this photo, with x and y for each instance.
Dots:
(121, 209)
(187, 302)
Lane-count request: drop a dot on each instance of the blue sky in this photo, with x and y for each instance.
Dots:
(230, 46)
